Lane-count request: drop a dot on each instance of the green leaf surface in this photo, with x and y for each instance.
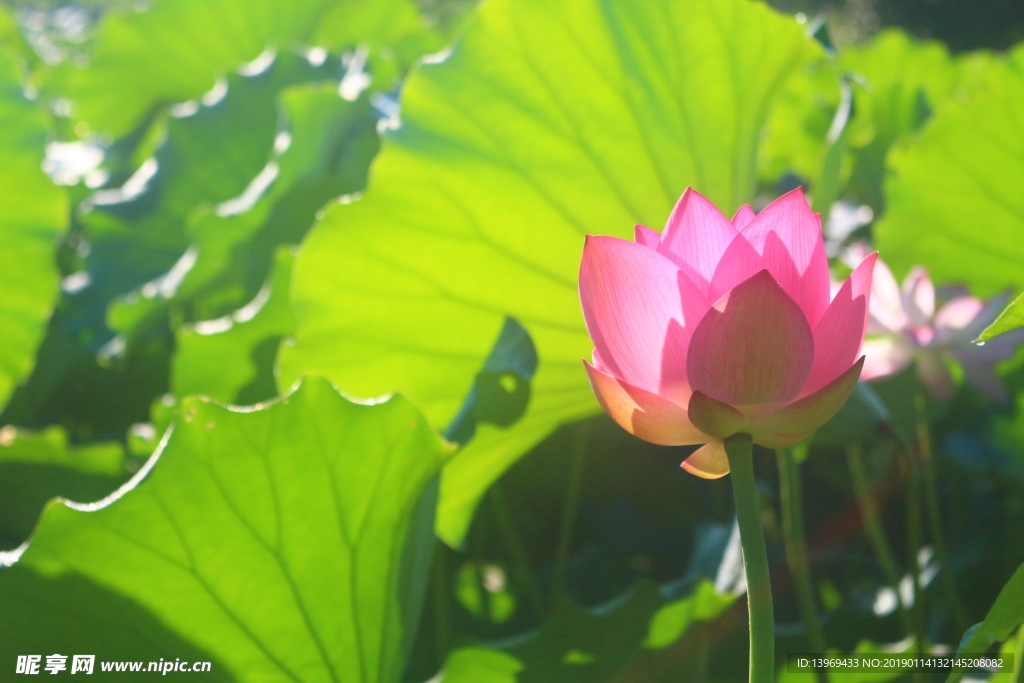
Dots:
(231, 217)
(480, 665)
(1010, 319)
(35, 467)
(578, 645)
(33, 211)
(203, 168)
(274, 542)
(330, 143)
(896, 83)
(954, 199)
(176, 50)
(671, 621)
(548, 121)
(1005, 615)
(231, 359)
(1008, 649)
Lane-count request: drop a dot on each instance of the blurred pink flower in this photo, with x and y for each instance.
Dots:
(903, 326)
(718, 327)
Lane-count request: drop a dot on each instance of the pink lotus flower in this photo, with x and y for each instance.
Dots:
(718, 327)
(903, 326)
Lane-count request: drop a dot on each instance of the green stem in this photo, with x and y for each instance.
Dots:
(520, 561)
(572, 499)
(796, 550)
(914, 541)
(931, 491)
(739, 449)
(873, 529)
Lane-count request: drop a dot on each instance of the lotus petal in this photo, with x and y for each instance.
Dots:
(643, 413)
(811, 412)
(786, 240)
(714, 418)
(696, 236)
(918, 297)
(840, 333)
(647, 237)
(885, 312)
(743, 216)
(709, 461)
(753, 346)
(630, 294)
(884, 356)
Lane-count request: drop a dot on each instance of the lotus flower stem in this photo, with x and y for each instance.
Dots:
(796, 550)
(739, 449)
(914, 542)
(874, 531)
(569, 512)
(931, 490)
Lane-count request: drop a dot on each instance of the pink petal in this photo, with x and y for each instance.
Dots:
(743, 216)
(884, 356)
(840, 333)
(986, 316)
(753, 346)
(642, 413)
(886, 309)
(810, 412)
(958, 313)
(647, 237)
(786, 240)
(630, 295)
(953, 322)
(709, 461)
(919, 297)
(696, 236)
(714, 418)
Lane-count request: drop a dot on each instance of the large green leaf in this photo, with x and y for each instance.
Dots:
(1005, 615)
(231, 359)
(275, 541)
(480, 665)
(176, 50)
(954, 199)
(671, 621)
(208, 161)
(35, 467)
(1010, 319)
(33, 211)
(550, 120)
(895, 82)
(331, 142)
